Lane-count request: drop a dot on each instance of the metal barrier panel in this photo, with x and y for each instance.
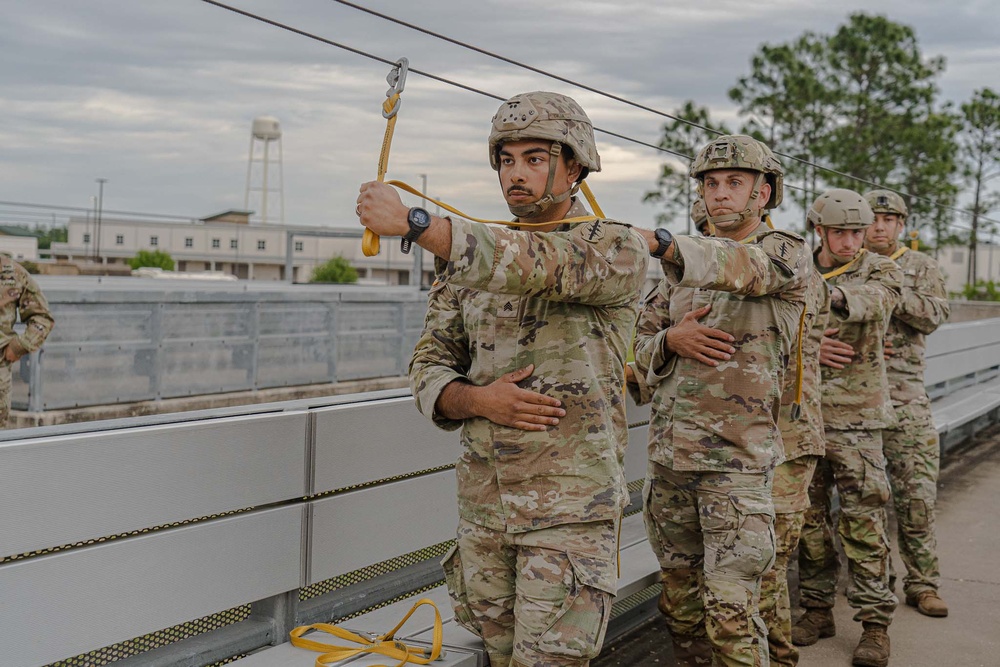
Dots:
(123, 340)
(68, 603)
(64, 490)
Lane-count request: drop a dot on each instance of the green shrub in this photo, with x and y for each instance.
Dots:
(336, 270)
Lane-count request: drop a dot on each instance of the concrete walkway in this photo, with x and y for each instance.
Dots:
(968, 528)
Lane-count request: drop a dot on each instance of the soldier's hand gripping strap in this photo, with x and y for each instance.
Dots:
(379, 645)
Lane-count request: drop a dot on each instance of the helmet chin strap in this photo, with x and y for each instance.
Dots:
(747, 214)
(547, 200)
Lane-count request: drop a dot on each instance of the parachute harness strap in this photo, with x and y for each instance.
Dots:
(846, 267)
(390, 108)
(385, 645)
(899, 253)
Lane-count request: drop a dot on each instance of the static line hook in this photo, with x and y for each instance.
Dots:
(396, 80)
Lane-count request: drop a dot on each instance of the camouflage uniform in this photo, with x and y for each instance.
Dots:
(537, 508)
(912, 449)
(804, 446)
(20, 294)
(713, 436)
(855, 409)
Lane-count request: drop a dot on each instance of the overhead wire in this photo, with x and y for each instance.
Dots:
(637, 105)
(531, 68)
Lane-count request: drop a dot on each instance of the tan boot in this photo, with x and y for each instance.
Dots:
(814, 625)
(873, 649)
(692, 651)
(928, 603)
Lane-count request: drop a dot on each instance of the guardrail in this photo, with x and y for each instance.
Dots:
(122, 340)
(235, 525)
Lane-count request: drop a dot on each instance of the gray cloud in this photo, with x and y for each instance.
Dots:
(159, 97)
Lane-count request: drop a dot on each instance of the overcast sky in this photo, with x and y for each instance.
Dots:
(159, 97)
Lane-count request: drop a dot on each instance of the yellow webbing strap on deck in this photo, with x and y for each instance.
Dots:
(381, 645)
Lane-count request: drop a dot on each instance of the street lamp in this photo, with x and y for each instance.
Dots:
(97, 222)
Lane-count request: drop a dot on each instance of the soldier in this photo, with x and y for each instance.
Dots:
(524, 348)
(20, 295)
(912, 451)
(804, 442)
(699, 216)
(864, 288)
(713, 434)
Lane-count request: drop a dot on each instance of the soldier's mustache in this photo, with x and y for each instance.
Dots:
(514, 188)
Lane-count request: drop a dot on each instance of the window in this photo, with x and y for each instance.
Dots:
(154, 240)
(261, 244)
(298, 246)
(233, 244)
(188, 242)
(86, 238)
(119, 239)
(216, 243)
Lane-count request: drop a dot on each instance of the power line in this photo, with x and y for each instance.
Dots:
(468, 88)
(637, 105)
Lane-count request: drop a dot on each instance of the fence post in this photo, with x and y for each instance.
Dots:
(35, 403)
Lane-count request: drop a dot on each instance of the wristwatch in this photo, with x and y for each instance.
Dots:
(419, 220)
(663, 240)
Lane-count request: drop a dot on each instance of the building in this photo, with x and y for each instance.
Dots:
(18, 243)
(954, 261)
(228, 242)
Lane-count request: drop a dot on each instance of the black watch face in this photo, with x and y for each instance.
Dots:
(420, 217)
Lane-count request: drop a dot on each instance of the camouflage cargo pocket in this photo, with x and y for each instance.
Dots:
(578, 627)
(739, 536)
(875, 484)
(455, 578)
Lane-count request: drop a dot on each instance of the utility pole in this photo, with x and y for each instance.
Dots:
(97, 223)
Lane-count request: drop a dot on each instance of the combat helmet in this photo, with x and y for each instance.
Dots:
(699, 216)
(739, 151)
(840, 208)
(548, 117)
(887, 201)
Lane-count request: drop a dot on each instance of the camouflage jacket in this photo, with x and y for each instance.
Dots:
(722, 418)
(21, 293)
(565, 301)
(856, 397)
(922, 308)
(805, 436)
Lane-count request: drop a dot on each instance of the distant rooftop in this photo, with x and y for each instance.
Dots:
(232, 215)
(7, 230)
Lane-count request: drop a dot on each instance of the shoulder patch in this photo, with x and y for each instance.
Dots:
(783, 248)
(593, 231)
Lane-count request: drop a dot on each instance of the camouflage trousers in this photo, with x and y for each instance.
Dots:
(912, 454)
(855, 465)
(5, 391)
(541, 598)
(791, 499)
(713, 534)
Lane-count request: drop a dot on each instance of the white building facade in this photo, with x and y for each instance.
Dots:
(227, 243)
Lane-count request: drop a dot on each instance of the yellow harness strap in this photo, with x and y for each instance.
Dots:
(843, 269)
(914, 240)
(384, 645)
(390, 108)
(899, 253)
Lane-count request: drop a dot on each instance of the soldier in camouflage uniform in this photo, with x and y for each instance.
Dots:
(864, 289)
(711, 349)
(524, 348)
(912, 450)
(699, 216)
(804, 442)
(20, 295)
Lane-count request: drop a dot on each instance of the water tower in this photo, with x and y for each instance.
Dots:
(267, 178)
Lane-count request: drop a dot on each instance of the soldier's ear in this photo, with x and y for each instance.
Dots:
(765, 195)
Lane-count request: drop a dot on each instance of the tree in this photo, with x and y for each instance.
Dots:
(154, 258)
(789, 107)
(980, 139)
(336, 270)
(675, 190)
